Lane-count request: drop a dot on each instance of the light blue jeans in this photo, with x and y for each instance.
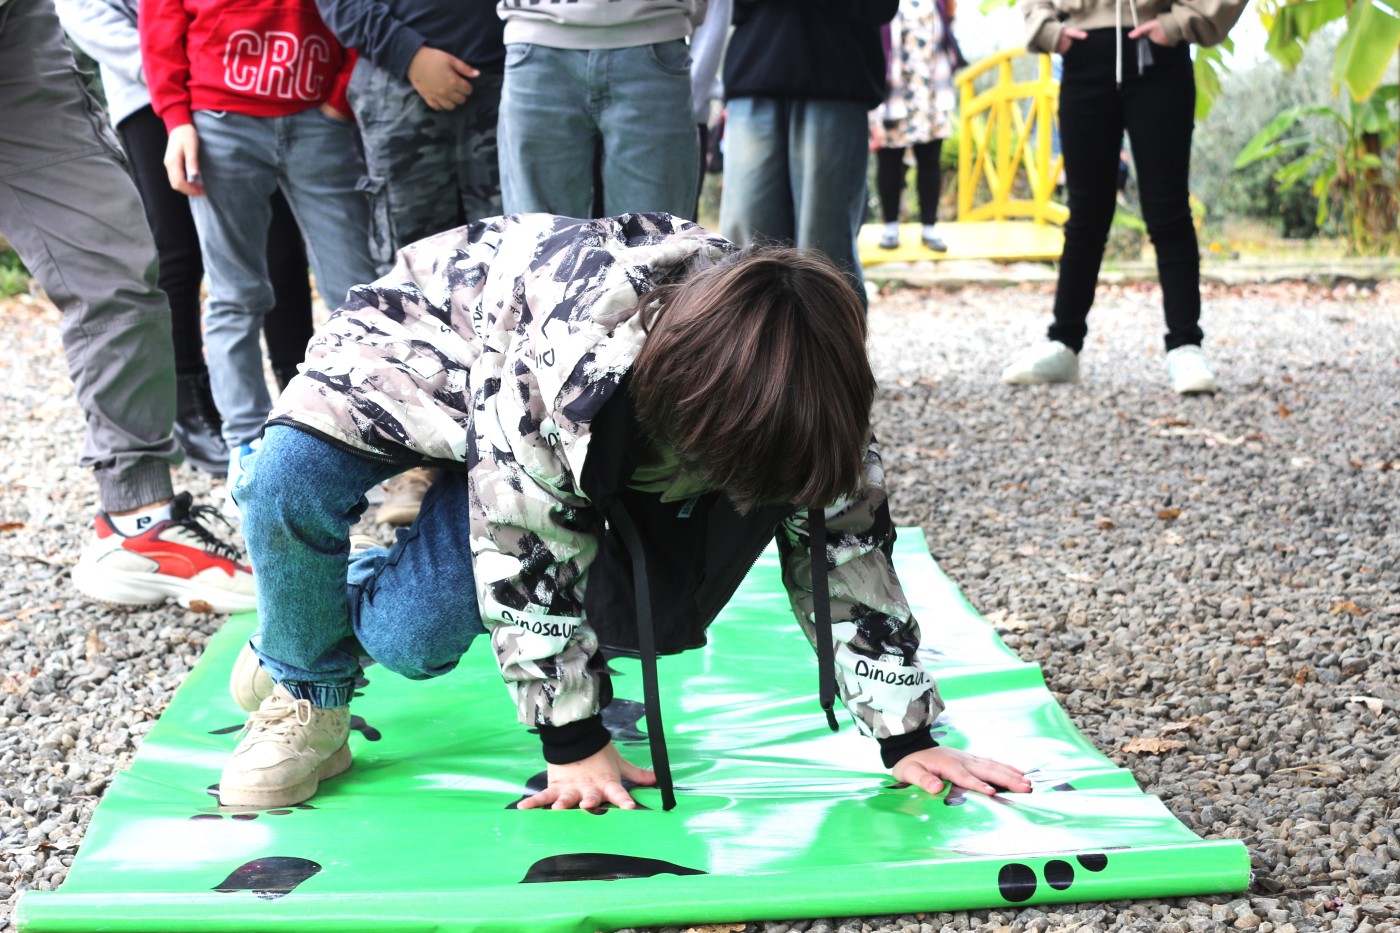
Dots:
(559, 106)
(315, 161)
(411, 607)
(794, 171)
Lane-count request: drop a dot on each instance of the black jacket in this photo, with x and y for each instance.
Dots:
(808, 50)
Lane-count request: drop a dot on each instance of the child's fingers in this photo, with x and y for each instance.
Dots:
(543, 799)
(617, 795)
(637, 775)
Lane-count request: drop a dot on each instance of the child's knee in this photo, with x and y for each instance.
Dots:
(414, 652)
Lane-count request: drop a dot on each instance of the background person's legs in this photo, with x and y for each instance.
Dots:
(74, 217)
(238, 168)
(828, 154)
(757, 202)
(1160, 114)
(288, 327)
(546, 137)
(319, 171)
(651, 151)
(1091, 135)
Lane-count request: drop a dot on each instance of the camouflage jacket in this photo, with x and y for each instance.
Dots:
(496, 344)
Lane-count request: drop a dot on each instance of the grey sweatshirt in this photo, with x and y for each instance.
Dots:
(599, 24)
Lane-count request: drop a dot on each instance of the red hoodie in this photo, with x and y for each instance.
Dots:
(263, 58)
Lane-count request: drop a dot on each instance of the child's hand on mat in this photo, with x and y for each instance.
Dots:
(591, 782)
(930, 767)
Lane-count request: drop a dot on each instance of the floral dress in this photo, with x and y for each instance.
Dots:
(919, 100)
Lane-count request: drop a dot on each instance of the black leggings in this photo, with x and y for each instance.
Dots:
(889, 180)
(1157, 109)
(287, 327)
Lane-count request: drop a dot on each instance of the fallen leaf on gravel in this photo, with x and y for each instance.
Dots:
(1169, 515)
(93, 645)
(937, 453)
(15, 684)
(717, 928)
(1302, 675)
(199, 605)
(1185, 725)
(23, 613)
(1283, 410)
(1151, 745)
(1107, 524)
(1348, 607)
(1003, 621)
(1013, 486)
(11, 526)
(1374, 704)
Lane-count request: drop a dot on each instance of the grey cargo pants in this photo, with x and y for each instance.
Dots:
(72, 213)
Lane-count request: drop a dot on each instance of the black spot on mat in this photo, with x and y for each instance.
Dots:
(370, 733)
(956, 797)
(269, 878)
(1016, 882)
(1094, 861)
(601, 866)
(1064, 786)
(620, 717)
(1059, 874)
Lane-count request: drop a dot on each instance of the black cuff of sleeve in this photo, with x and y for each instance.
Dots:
(574, 742)
(896, 747)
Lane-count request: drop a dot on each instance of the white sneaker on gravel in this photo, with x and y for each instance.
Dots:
(1190, 373)
(1043, 363)
(288, 748)
(178, 558)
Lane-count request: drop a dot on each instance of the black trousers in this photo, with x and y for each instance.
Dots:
(1157, 109)
(287, 328)
(889, 180)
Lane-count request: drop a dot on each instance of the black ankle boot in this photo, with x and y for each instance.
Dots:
(198, 427)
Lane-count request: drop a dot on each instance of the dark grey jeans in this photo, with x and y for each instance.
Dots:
(72, 213)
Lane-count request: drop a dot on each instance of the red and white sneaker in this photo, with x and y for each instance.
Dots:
(178, 558)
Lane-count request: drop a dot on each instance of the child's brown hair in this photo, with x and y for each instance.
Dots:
(755, 374)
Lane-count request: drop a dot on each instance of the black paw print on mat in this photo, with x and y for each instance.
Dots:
(241, 814)
(601, 866)
(269, 878)
(1017, 881)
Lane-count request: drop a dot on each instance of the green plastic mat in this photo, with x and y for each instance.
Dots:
(777, 817)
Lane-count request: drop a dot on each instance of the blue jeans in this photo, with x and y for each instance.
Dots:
(242, 159)
(411, 607)
(794, 171)
(559, 106)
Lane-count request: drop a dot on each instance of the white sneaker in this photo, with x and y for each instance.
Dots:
(288, 748)
(1043, 363)
(179, 558)
(1190, 373)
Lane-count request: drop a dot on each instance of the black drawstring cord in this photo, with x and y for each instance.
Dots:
(646, 645)
(821, 603)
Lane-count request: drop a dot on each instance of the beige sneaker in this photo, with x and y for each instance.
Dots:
(288, 748)
(1045, 363)
(403, 496)
(249, 684)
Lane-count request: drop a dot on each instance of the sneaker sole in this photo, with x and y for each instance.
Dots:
(143, 589)
(1035, 379)
(269, 797)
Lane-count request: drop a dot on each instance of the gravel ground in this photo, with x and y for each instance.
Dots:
(1222, 573)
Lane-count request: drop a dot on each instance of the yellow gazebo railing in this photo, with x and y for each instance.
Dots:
(1006, 166)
